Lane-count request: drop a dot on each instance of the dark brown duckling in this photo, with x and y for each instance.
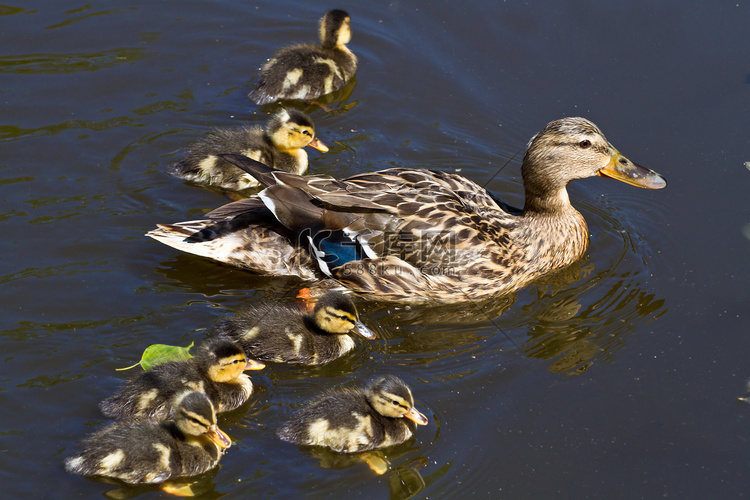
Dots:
(308, 71)
(216, 370)
(280, 145)
(351, 420)
(147, 452)
(275, 332)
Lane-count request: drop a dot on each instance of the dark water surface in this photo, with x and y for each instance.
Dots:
(617, 378)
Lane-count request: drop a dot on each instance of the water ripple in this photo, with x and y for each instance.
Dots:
(71, 62)
(90, 15)
(10, 133)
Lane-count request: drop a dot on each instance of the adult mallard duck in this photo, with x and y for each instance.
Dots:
(147, 452)
(308, 71)
(275, 332)
(351, 420)
(280, 145)
(216, 370)
(403, 234)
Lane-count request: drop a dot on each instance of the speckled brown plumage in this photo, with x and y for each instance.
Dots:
(420, 234)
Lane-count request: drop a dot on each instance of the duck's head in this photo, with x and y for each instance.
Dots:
(224, 361)
(335, 29)
(335, 313)
(575, 148)
(291, 129)
(194, 415)
(390, 397)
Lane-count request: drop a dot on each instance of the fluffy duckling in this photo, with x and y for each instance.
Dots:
(216, 370)
(288, 335)
(307, 71)
(279, 145)
(351, 420)
(144, 451)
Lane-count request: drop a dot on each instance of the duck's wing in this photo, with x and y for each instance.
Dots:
(246, 207)
(421, 217)
(268, 176)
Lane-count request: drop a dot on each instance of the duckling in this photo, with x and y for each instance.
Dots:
(216, 370)
(288, 335)
(307, 71)
(279, 145)
(351, 420)
(145, 451)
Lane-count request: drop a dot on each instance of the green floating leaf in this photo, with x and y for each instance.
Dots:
(157, 354)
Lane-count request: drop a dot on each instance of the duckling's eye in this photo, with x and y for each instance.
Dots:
(307, 132)
(395, 403)
(584, 144)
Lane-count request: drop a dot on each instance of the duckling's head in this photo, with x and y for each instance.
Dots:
(575, 148)
(224, 361)
(194, 415)
(335, 313)
(335, 29)
(390, 397)
(291, 129)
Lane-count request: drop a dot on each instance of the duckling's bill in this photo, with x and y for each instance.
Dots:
(416, 416)
(254, 365)
(622, 169)
(219, 437)
(361, 330)
(317, 144)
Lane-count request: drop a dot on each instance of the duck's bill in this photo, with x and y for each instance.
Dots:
(415, 416)
(315, 143)
(254, 365)
(219, 437)
(624, 170)
(361, 330)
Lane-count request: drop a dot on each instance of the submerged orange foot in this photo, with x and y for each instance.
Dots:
(376, 462)
(178, 490)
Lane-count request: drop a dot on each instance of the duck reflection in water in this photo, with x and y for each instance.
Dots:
(572, 319)
(404, 481)
(573, 329)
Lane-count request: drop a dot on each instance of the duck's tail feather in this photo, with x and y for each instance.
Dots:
(258, 248)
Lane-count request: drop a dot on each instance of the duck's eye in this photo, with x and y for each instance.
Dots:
(307, 132)
(395, 403)
(584, 144)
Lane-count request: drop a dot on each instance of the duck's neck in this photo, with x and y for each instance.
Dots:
(550, 204)
(312, 326)
(554, 232)
(343, 48)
